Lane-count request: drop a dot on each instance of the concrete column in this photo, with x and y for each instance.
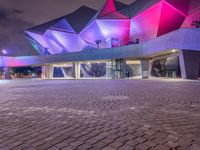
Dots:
(43, 76)
(6, 73)
(50, 71)
(145, 68)
(77, 70)
(189, 64)
(47, 71)
(150, 68)
(182, 65)
(108, 69)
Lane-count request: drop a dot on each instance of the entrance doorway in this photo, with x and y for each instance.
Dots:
(122, 68)
(116, 69)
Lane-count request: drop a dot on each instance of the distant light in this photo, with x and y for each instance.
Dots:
(173, 51)
(4, 51)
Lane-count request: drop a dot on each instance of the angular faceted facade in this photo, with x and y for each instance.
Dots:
(61, 35)
(115, 24)
(144, 39)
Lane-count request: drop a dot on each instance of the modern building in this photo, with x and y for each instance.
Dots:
(148, 38)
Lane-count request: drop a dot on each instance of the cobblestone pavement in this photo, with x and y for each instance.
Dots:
(100, 115)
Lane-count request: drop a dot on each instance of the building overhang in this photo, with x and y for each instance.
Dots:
(187, 39)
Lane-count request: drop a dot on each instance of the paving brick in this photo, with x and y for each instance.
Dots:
(150, 144)
(42, 114)
(116, 144)
(162, 147)
(84, 147)
(76, 143)
(132, 143)
(99, 145)
(126, 147)
(172, 145)
(142, 147)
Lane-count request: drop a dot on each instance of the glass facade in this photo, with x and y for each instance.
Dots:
(166, 67)
(105, 69)
(93, 70)
(112, 69)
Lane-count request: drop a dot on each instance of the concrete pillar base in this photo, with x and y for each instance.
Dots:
(145, 69)
(77, 70)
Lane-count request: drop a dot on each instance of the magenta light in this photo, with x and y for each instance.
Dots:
(109, 11)
(108, 8)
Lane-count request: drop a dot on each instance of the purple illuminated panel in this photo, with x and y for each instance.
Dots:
(68, 41)
(92, 33)
(145, 25)
(104, 30)
(39, 38)
(47, 43)
(63, 25)
(118, 29)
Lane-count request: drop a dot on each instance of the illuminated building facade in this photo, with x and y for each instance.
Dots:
(158, 38)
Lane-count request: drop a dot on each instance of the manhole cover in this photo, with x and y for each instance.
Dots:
(116, 97)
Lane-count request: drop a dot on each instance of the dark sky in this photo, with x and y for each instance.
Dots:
(18, 15)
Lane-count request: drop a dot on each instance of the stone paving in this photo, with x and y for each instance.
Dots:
(99, 115)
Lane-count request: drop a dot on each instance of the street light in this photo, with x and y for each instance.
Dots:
(3, 51)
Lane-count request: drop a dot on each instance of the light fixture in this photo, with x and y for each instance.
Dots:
(4, 52)
(173, 51)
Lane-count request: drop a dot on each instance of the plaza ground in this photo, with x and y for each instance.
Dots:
(100, 114)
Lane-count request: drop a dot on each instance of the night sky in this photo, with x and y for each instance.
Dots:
(18, 15)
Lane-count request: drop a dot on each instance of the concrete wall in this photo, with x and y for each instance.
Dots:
(179, 39)
(190, 64)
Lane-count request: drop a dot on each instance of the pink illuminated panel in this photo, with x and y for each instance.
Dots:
(195, 16)
(181, 5)
(113, 15)
(15, 61)
(108, 8)
(156, 21)
(170, 19)
(109, 11)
